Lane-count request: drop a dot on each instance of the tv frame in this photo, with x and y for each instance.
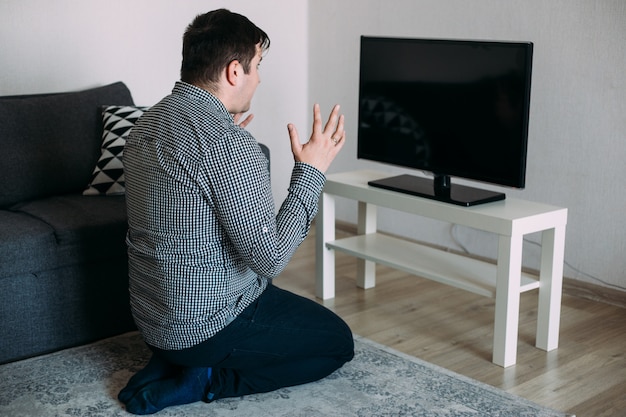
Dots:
(441, 187)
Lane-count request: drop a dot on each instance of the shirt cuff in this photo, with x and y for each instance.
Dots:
(307, 183)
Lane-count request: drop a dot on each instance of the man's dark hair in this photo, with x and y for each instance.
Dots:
(215, 39)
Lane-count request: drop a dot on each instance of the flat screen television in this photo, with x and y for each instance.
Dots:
(450, 108)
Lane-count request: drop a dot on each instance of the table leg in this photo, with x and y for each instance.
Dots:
(366, 270)
(507, 300)
(325, 258)
(550, 288)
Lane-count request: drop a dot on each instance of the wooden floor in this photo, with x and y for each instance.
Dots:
(452, 328)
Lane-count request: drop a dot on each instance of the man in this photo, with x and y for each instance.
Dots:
(204, 239)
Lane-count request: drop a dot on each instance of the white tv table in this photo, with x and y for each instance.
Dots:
(511, 219)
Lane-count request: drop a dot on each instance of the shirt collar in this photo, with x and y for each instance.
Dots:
(199, 94)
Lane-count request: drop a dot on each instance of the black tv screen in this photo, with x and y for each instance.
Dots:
(453, 108)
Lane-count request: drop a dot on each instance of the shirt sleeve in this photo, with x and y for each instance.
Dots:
(240, 188)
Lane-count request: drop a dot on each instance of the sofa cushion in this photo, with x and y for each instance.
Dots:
(27, 244)
(108, 175)
(84, 229)
(63, 307)
(51, 142)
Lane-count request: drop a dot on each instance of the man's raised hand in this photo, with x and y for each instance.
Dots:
(325, 142)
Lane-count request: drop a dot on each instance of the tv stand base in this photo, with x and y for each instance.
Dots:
(447, 192)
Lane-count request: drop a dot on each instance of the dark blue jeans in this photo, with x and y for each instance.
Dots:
(280, 340)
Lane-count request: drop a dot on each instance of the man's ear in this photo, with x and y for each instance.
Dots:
(233, 71)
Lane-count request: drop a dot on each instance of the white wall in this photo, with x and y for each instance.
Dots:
(578, 128)
(67, 45)
(577, 142)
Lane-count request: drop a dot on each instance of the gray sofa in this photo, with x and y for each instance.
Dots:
(63, 263)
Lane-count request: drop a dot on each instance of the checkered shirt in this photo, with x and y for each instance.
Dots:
(204, 238)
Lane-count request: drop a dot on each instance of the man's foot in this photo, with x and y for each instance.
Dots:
(189, 386)
(156, 369)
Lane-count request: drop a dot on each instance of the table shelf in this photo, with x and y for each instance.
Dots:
(449, 268)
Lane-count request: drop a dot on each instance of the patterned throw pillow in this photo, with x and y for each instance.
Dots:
(108, 175)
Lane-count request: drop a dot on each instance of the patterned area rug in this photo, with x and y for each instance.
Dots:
(84, 381)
